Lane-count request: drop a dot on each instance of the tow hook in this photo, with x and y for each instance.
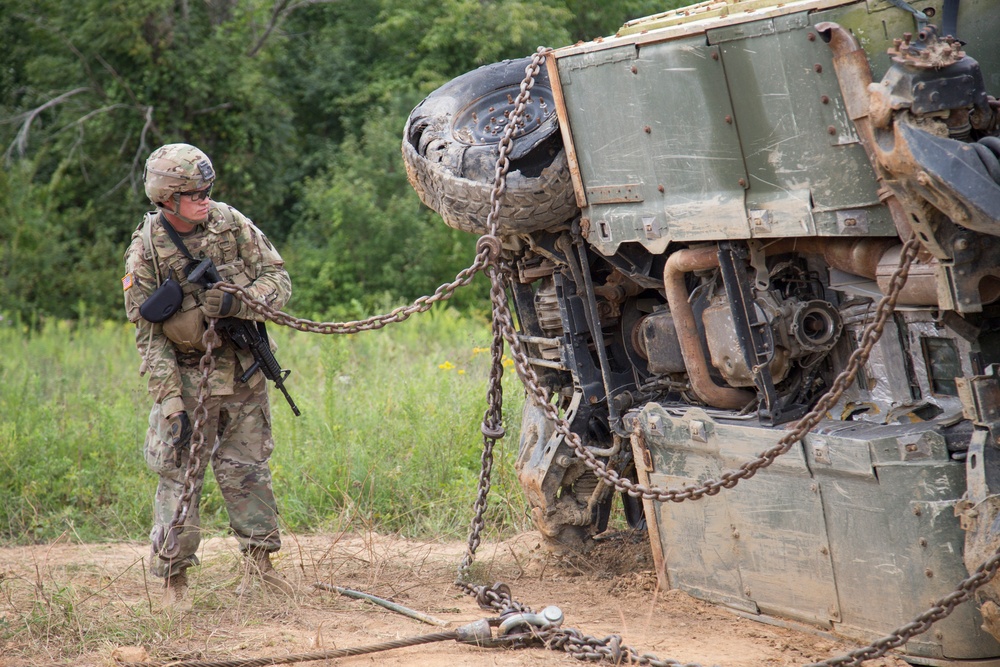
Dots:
(550, 617)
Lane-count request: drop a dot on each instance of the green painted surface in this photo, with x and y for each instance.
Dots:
(801, 150)
(660, 130)
(738, 131)
(727, 134)
(824, 534)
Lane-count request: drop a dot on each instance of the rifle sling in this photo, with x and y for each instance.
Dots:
(176, 238)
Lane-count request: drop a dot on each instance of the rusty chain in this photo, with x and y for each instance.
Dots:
(167, 545)
(498, 596)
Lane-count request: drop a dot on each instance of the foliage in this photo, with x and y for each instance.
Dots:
(389, 432)
(364, 239)
(95, 85)
(300, 105)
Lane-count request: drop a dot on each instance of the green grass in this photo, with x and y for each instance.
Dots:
(388, 438)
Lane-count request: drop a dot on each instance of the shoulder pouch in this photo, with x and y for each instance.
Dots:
(164, 302)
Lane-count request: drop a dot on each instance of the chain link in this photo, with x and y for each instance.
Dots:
(492, 426)
(498, 596)
(170, 546)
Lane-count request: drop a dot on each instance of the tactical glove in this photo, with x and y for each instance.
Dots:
(219, 304)
(179, 427)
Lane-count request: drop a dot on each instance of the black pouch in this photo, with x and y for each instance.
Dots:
(164, 302)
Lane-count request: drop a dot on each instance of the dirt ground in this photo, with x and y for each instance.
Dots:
(83, 604)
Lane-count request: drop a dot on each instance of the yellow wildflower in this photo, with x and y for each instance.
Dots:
(446, 366)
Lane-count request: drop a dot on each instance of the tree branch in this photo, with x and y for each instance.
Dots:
(282, 8)
(217, 107)
(143, 148)
(21, 140)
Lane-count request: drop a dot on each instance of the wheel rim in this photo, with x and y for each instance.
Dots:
(482, 121)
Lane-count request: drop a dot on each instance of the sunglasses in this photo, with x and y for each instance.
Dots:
(198, 195)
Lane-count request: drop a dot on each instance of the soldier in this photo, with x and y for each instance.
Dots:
(188, 226)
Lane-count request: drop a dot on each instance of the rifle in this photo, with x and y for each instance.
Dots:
(245, 335)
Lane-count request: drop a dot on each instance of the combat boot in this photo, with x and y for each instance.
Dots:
(175, 589)
(257, 567)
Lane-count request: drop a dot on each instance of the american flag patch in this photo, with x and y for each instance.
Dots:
(127, 281)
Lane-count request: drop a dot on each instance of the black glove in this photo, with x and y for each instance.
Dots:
(180, 431)
(219, 304)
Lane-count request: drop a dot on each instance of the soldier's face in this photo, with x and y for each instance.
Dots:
(193, 205)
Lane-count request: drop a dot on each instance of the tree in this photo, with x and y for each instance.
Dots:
(300, 104)
(94, 86)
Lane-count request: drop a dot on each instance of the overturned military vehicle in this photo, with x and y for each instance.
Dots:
(701, 217)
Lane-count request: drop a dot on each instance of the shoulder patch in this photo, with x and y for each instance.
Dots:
(127, 281)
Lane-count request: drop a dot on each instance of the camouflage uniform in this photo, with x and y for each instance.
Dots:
(238, 430)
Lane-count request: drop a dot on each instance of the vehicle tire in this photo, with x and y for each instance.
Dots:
(451, 144)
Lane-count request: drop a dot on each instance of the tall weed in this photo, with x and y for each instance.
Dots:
(389, 432)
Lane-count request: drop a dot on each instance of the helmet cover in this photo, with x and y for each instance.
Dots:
(176, 168)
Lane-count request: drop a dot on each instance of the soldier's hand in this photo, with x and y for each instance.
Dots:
(219, 304)
(179, 426)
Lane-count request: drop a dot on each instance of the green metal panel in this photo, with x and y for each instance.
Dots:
(704, 560)
(801, 150)
(924, 496)
(762, 546)
(853, 529)
(658, 159)
(600, 96)
(693, 150)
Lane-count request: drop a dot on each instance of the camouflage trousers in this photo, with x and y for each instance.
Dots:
(238, 433)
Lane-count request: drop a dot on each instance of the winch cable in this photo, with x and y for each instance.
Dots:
(497, 597)
(293, 658)
(382, 602)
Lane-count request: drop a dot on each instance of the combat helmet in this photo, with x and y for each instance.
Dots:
(174, 169)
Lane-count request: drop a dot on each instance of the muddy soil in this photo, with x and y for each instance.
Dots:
(86, 604)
